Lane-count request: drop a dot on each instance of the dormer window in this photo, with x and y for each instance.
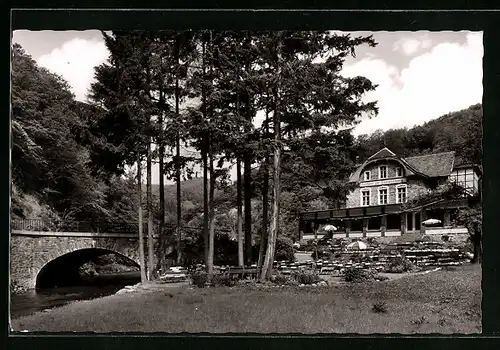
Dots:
(366, 176)
(382, 172)
(399, 172)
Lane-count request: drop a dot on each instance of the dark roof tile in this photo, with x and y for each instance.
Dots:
(433, 165)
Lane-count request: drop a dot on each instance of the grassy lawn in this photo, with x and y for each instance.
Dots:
(437, 302)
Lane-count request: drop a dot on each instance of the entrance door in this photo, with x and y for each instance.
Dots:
(409, 221)
(417, 222)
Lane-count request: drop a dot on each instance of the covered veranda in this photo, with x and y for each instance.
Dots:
(379, 221)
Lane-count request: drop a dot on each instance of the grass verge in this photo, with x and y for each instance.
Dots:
(437, 302)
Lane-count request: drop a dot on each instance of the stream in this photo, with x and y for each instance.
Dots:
(27, 303)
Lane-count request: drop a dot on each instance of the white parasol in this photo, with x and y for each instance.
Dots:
(357, 245)
(330, 228)
(431, 222)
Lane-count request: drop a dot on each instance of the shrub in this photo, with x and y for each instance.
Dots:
(325, 240)
(324, 253)
(284, 249)
(88, 269)
(281, 279)
(199, 278)
(307, 277)
(355, 275)
(306, 246)
(399, 265)
(226, 251)
(379, 307)
(222, 280)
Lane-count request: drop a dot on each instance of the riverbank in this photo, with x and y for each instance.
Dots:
(25, 301)
(437, 302)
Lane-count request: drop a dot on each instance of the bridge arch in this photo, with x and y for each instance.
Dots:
(31, 251)
(65, 269)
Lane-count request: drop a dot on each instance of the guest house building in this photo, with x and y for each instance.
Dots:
(383, 183)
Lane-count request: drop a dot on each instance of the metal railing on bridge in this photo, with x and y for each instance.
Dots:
(91, 226)
(74, 226)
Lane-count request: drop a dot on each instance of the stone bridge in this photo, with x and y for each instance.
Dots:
(33, 252)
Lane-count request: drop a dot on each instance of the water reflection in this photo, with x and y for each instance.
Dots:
(30, 302)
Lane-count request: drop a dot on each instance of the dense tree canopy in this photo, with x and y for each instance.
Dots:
(72, 158)
(47, 160)
(459, 131)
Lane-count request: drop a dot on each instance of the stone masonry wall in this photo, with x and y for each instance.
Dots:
(354, 198)
(414, 189)
(29, 254)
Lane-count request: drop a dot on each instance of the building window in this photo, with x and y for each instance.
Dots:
(399, 171)
(465, 178)
(365, 197)
(382, 195)
(382, 172)
(401, 194)
(367, 176)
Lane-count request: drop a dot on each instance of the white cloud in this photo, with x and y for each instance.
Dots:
(410, 45)
(75, 61)
(446, 79)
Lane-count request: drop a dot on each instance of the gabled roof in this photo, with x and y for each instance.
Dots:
(383, 153)
(433, 165)
(430, 165)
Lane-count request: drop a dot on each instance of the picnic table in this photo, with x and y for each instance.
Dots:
(242, 271)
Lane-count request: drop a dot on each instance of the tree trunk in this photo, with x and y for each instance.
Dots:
(477, 248)
(205, 208)
(149, 213)
(178, 166)
(247, 183)
(210, 261)
(239, 216)
(273, 231)
(265, 205)
(247, 171)
(161, 155)
(267, 267)
(205, 166)
(161, 176)
(139, 212)
(211, 234)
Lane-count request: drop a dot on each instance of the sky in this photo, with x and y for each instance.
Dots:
(420, 75)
